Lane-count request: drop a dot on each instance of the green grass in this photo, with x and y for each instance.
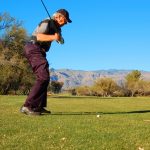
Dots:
(124, 124)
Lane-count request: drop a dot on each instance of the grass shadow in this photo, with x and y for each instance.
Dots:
(80, 97)
(99, 113)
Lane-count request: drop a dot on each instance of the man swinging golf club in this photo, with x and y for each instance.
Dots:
(47, 31)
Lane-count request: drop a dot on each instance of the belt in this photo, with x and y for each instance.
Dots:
(31, 42)
(36, 43)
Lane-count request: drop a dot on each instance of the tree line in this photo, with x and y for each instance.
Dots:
(133, 85)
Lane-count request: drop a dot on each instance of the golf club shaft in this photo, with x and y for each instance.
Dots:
(46, 9)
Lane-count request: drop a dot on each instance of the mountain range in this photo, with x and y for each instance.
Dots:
(74, 78)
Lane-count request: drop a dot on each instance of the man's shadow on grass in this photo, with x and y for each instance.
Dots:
(99, 113)
(80, 97)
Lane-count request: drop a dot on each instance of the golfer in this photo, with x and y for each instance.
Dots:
(47, 31)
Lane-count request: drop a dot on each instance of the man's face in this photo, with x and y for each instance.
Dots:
(60, 19)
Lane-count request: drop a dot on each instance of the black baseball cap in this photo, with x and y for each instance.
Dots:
(65, 13)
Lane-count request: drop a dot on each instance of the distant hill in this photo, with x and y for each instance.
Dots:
(74, 78)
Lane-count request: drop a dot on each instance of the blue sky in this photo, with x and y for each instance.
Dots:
(104, 34)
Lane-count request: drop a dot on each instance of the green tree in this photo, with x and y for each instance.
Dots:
(13, 64)
(56, 86)
(134, 76)
(132, 81)
(7, 21)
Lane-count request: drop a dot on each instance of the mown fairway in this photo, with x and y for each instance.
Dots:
(124, 124)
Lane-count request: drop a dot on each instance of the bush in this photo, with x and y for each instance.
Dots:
(83, 91)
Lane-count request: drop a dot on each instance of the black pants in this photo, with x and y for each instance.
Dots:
(37, 97)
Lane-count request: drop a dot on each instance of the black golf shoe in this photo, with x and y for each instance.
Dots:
(43, 110)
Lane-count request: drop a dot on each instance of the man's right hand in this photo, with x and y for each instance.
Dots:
(57, 36)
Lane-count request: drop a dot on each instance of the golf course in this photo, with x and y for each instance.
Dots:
(77, 123)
